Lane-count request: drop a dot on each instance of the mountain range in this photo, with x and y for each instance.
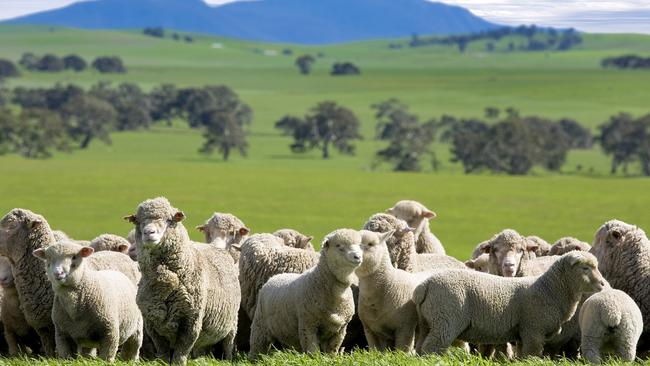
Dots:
(284, 21)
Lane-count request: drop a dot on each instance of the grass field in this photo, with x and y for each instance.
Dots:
(87, 193)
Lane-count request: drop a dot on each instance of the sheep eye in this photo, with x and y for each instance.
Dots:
(74, 257)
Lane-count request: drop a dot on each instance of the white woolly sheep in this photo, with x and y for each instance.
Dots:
(567, 244)
(20, 337)
(189, 293)
(417, 216)
(133, 253)
(485, 309)
(295, 239)
(480, 263)
(508, 250)
(310, 311)
(110, 242)
(60, 235)
(225, 231)
(92, 309)
(543, 247)
(623, 253)
(611, 323)
(386, 305)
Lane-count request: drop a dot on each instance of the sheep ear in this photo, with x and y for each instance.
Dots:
(574, 258)
(179, 216)
(486, 247)
(428, 214)
(325, 244)
(39, 253)
(390, 210)
(86, 252)
(307, 239)
(617, 235)
(470, 264)
(34, 223)
(123, 248)
(131, 219)
(385, 236)
(237, 247)
(201, 228)
(531, 247)
(244, 231)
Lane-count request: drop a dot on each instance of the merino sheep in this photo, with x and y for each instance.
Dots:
(189, 294)
(92, 309)
(295, 239)
(225, 231)
(110, 242)
(507, 250)
(567, 244)
(417, 216)
(386, 305)
(543, 247)
(623, 253)
(310, 311)
(20, 337)
(401, 246)
(480, 263)
(484, 309)
(610, 322)
(60, 235)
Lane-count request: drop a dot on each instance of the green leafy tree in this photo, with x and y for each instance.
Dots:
(109, 64)
(164, 103)
(88, 118)
(8, 69)
(617, 138)
(74, 62)
(327, 125)
(304, 63)
(39, 132)
(224, 131)
(132, 105)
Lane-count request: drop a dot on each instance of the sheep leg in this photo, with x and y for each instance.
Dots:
(131, 347)
(228, 344)
(12, 342)
(308, 338)
(108, 346)
(404, 338)
(160, 343)
(626, 350)
(422, 330)
(260, 340)
(47, 336)
(187, 334)
(532, 345)
(590, 348)
(65, 346)
(372, 338)
(333, 344)
(87, 352)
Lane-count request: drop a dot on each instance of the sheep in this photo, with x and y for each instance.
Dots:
(225, 231)
(295, 239)
(543, 247)
(610, 322)
(310, 311)
(417, 216)
(567, 244)
(623, 253)
(508, 250)
(20, 337)
(60, 235)
(22, 232)
(401, 246)
(386, 305)
(110, 242)
(485, 309)
(92, 309)
(189, 293)
(480, 263)
(132, 252)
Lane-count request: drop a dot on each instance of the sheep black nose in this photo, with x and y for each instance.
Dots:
(356, 256)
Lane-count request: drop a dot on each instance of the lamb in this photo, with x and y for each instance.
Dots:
(401, 246)
(480, 263)
(567, 244)
(295, 239)
(110, 242)
(484, 309)
(226, 231)
(417, 216)
(310, 311)
(189, 294)
(20, 337)
(610, 322)
(386, 305)
(623, 253)
(92, 309)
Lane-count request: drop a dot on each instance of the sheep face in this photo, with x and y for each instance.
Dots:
(224, 230)
(15, 226)
(133, 253)
(611, 235)
(342, 248)
(479, 264)
(6, 276)
(506, 251)
(375, 252)
(413, 212)
(64, 262)
(585, 268)
(294, 239)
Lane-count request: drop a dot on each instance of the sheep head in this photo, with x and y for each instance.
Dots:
(506, 250)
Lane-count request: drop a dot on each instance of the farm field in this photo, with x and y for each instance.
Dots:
(86, 193)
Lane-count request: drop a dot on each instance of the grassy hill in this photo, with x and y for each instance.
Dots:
(86, 193)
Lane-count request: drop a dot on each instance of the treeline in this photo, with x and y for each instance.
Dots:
(547, 39)
(305, 63)
(66, 116)
(626, 62)
(159, 32)
(54, 63)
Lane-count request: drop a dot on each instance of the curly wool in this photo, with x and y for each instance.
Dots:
(295, 239)
(223, 230)
(567, 244)
(543, 247)
(110, 242)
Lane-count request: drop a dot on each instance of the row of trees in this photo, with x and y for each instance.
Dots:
(159, 32)
(304, 64)
(538, 39)
(63, 116)
(54, 63)
(626, 62)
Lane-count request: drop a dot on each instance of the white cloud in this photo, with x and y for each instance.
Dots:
(586, 15)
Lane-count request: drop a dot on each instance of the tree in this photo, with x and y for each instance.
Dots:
(489, 47)
(492, 112)
(8, 69)
(579, 136)
(468, 141)
(7, 127)
(224, 130)
(344, 68)
(132, 105)
(328, 124)
(38, 132)
(304, 63)
(627, 140)
(164, 102)
(53, 98)
(109, 64)
(87, 118)
(29, 61)
(50, 63)
(74, 62)
(157, 32)
(409, 139)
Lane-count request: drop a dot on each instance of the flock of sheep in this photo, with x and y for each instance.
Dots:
(157, 294)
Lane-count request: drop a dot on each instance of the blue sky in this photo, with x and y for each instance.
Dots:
(587, 15)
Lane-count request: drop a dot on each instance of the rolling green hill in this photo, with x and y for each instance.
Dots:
(87, 192)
